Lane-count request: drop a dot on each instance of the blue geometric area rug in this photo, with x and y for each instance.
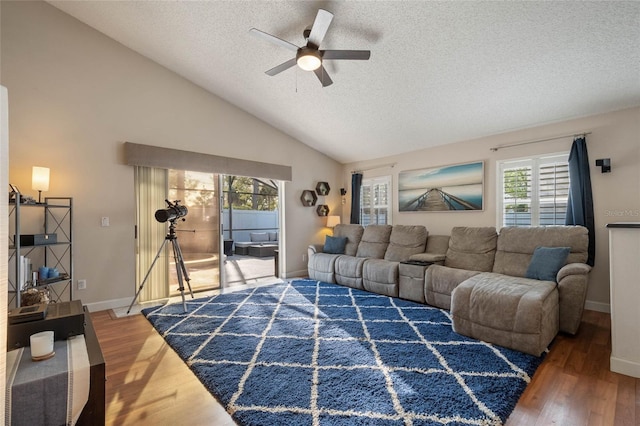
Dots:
(313, 353)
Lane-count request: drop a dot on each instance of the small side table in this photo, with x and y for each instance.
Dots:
(411, 282)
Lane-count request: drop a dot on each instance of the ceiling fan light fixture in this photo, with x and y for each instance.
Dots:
(308, 59)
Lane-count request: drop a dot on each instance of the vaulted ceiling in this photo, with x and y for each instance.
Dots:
(440, 72)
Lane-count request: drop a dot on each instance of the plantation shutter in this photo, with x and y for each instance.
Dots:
(381, 202)
(375, 201)
(554, 192)
(516, 201)
(534, 191)
(365, 205)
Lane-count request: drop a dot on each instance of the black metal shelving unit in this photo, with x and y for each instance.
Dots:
(56, 214)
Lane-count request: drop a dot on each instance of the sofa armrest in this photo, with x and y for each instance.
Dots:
(572, 269)
(314, 248)
(428, 257)
(573, 280)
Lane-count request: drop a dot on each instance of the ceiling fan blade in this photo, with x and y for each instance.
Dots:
(346, 54)
(273, 39)
(322, 75)
(283, 66)
(320, 27)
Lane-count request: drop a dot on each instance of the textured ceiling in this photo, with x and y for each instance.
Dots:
(439, 72)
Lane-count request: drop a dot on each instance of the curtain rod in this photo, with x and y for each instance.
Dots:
(392, 165)
(495, 148)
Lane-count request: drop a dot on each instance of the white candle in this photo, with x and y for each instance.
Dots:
(41, 344)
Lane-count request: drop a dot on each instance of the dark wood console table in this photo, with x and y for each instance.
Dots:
(49, 381)
(94, 411)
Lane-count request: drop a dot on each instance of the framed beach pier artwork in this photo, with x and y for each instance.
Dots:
(459, 187)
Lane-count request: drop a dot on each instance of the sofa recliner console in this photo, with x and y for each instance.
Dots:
(476, 273)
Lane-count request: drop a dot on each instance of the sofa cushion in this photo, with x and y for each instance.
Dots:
(472, 248)
(404, 241)
(546, 262)
(273, 236)
(321, 267)
(334, 245)
(380, 276)
(353, 233)
(439, 282)
(516, 246)
(437, 244)
(258, 237)
(375, 240)
(435, 251)
(348, 271)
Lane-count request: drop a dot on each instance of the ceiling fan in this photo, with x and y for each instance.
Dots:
(310, 57)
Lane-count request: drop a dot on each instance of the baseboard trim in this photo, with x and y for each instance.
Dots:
(597, 306)
(626, 367)
(303, 273)
(108, 304)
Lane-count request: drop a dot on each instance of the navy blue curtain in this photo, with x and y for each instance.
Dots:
(580, 204)
(356, 183)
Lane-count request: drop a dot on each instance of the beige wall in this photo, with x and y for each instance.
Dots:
(615, 135)
(75, 96)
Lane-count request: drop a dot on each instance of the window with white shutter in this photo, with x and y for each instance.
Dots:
(533, 191)
(375, 201)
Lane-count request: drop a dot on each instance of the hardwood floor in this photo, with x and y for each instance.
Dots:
(147, 383)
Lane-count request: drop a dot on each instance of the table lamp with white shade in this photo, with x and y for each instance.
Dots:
(40, 180)
(333, 221)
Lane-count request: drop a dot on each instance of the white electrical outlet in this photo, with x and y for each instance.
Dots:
(304, 257)
(104, 221)
(82, 284)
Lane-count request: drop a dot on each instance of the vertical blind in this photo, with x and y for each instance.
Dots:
(151, 189)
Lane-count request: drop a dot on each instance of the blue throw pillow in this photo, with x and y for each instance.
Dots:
(546, 262)
(334, 245)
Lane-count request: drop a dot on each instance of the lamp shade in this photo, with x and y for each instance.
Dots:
(40, 178)
(332, 221)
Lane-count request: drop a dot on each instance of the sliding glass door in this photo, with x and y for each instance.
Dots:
(251, 231)
(198, 234)
(230, 235)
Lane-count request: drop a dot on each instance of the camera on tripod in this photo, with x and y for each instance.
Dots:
(173, 212)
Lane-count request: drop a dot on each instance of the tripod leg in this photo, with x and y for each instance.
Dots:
(183, 267)
(146, 276)
(176, 260)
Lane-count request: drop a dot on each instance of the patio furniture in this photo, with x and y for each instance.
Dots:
(258, 250)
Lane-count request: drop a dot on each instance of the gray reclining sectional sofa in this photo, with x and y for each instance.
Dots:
(476, 273)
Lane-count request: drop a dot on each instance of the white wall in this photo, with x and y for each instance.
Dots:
(76, 96)
(615, 135)
(4, 237)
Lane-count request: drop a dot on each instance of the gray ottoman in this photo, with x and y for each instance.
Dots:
(518, 313)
